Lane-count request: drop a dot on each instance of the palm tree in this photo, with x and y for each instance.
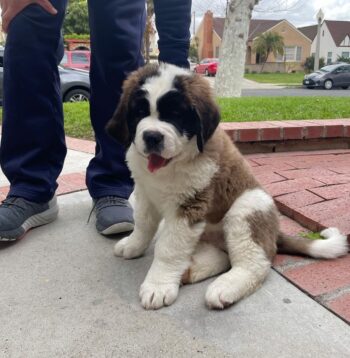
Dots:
(267, 43)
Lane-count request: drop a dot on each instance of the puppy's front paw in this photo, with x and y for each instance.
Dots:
(156, 295)
(129, 248)
(221, 293)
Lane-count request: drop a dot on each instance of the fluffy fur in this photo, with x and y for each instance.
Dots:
(187, 172)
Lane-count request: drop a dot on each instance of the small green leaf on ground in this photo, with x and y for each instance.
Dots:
(312, 235)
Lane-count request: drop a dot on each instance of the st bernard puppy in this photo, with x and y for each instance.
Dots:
(217, 217)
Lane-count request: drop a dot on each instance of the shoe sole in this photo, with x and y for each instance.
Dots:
(118, 229)
(46, 217)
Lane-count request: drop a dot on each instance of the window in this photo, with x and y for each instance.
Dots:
(279, 58)
(217, 51)
(345, 54)
(329, 58)
(79, 58)
(298, 54)
(292, 53)
(289, 53)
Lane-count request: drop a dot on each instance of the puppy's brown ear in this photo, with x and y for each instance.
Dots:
(208, 118)
(205, 112)
(117, 127)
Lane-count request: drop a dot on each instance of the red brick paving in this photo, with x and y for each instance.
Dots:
(67, 183)
(81, 145)
(300, 199)
(311, 187)
(322, 277)
(315, 192)
(341, 306)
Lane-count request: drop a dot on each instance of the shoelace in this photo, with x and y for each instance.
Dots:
(105, 202)
(13, 201)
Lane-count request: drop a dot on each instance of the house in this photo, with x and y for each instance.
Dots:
(335, 39)
(297, 44)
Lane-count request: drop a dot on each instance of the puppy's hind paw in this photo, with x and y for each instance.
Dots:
(221, 294)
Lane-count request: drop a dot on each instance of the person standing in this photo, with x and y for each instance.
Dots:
(33, 146)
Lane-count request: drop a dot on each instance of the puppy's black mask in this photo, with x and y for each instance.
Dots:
(191, 112)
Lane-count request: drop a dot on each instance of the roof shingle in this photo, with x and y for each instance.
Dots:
(256, 26)
(338, 30)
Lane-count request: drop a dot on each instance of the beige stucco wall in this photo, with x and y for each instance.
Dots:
(291, 37)
(199, 35)
(216, 44)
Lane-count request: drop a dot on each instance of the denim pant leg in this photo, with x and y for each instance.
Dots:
(173, 21)
(116, 28)
(33, 146)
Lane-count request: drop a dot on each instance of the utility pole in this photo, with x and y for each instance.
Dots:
(319, 16)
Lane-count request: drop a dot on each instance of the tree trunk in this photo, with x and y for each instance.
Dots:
(264, 63)
(233, 48)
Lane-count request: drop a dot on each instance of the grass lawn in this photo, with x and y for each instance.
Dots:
(246, 109)
(277, 78)
(77, 120)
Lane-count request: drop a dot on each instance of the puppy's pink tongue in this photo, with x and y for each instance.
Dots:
(156, 162)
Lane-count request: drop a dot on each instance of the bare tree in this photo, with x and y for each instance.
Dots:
(149, 30)
(233, 48)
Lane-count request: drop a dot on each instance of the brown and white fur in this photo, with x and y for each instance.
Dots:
(217, 218)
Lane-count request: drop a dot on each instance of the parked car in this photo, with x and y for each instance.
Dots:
(75, 84)
(328, 77)
(76, 59)
(208, 66)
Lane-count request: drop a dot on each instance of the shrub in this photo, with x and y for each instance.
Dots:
(343, 59)
(309, 64)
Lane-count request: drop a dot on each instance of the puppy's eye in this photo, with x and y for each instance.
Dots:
(141, 112)
(175, 113)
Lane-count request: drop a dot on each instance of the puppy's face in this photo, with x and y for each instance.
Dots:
(165, 112)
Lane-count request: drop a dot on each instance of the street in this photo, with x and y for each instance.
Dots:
(294, 92)
(256, 89)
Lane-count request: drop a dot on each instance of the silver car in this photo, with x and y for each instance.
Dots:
(328, 77)
(75, 84)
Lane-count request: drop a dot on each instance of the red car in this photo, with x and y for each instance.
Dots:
(208, 66)
(76, 59)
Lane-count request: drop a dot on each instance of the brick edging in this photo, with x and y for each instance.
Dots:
(287, 130)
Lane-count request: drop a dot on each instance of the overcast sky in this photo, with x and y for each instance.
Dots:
(298, 12)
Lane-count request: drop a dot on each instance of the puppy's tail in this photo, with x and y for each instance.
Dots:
(334, 245)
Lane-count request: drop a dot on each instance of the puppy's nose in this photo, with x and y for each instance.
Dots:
(153, 140)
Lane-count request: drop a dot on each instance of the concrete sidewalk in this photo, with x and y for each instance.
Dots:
(64, 294)
(250, 85)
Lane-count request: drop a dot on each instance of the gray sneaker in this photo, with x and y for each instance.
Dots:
(18, 215)
(113, 215)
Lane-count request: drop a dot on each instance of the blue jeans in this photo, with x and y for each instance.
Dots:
(33, 144)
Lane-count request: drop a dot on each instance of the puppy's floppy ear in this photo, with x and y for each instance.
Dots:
(199, 130)
(207, 119)
(117, 126)
(204, 111)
